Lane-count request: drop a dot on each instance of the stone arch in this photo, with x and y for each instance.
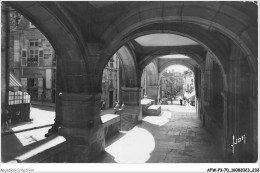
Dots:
(183, 63)
(77, 97)
(129, 67)
(211, 44)
(189, 64)
(152, 74)
(171, 51)
(240, 28)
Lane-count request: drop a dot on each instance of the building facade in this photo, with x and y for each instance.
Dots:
(188, 82)
(32, 60)
(110, 82)
(171, 83)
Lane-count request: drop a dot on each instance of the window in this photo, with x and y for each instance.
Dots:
(32, 61)
(40, 57)
(24, 58)
(34, 43)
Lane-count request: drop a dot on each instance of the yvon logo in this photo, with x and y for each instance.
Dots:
(238, 140)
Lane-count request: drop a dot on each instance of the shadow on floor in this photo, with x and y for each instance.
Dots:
(10, 146)
(21, 123)
(43, 107)
(181, 139)
(114, 138)
(105, 157)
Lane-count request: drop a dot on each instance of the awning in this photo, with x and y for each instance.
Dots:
(192, 98)
(13, 82)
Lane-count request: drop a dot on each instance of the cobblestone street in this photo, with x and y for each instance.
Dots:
(176, 136)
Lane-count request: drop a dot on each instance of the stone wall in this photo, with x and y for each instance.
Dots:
(132, 111)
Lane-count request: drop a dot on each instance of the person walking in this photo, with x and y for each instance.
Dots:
(181, 102)
(43, 97)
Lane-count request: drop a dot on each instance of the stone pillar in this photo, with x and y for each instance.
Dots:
(242, 108)
(4, 55)
(132, 111)
(152, 93)
(225, 121)
(202, 97)
(233, 98)
(81, 125)
(58, 115)
(208, 80)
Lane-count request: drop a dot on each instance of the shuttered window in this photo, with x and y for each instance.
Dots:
(40, 57)
(24, 58)
(32, 61)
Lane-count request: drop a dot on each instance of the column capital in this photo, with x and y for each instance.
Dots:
(131, 89)
(79, 96)
(131, 95)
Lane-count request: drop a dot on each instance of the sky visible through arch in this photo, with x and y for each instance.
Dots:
(177, 68)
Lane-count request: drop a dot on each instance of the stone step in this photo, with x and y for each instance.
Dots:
(111, 123)
(145, 104)
(154, 110)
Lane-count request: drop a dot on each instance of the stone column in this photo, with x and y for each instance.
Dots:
(208, 80)
(225, 121)
(4, 55)
(152, 93)
(59, 78)
(81, 125)
(233, 98)
(132, 111)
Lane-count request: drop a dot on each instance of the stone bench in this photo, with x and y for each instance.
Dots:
(52, 149)
(111, 123)
(154, 110)
(145, 105)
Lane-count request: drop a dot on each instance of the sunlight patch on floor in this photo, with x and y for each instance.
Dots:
(161, 120)
(31, 136)
(135, 147)
(177, 108)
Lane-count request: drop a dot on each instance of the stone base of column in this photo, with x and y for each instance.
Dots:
(85, 144)
(81, 126)
(155, 102)
(153, 92)
(130, 117)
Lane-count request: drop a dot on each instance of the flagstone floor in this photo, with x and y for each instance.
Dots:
(175, 136)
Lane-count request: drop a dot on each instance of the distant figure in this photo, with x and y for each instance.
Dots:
(181, 102)
(117, 108)
(43, 97)
(171, 100)
(6, 120)
(102, 102)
